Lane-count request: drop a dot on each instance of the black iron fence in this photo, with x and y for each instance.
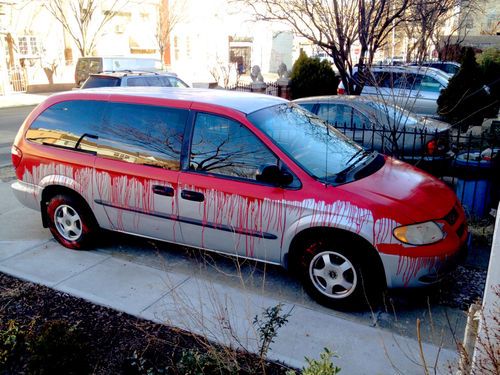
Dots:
(468, 161)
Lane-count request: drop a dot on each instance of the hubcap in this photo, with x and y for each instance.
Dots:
(68, 222)
(333, 274)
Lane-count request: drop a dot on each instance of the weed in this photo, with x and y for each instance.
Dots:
(268, 325)
(323, 366)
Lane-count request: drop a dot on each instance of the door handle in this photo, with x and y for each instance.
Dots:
(192, 196)
(163, 190)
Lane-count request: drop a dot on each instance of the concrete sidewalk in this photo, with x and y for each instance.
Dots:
(22, 99)
(202, 302)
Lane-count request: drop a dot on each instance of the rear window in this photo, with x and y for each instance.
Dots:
(99, 81)
(71, 124)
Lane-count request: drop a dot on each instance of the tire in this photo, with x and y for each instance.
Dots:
(71, 222)
(335, 273)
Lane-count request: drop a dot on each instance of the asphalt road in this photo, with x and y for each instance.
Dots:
(10, 121)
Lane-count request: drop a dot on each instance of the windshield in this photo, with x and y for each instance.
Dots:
(317, 147)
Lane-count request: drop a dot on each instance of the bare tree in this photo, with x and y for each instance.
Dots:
(437, 23)
(170, 13)
(82, 20)
(335, 26)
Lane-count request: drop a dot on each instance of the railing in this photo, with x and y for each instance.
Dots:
(17, 79)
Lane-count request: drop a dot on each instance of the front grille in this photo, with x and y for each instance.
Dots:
(452, 216)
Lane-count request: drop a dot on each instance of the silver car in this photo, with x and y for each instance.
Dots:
(378, 125)
(411, 87)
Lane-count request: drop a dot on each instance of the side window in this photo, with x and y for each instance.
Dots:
(337, 114)
(137, 81)
(359, 120)
(226, 147)
(174, 82)
(142, 134)
(65, 125)
(429, 84)
(308, 106)
(328, 112)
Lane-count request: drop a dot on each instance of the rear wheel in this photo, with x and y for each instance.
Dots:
(71, 222)
(336, 273)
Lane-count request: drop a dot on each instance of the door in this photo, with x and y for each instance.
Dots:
(137, 168)
(222, 205)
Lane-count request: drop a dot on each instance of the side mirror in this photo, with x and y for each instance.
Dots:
(272, 174)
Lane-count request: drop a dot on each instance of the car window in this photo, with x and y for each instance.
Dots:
(175, 82)
(100, 81)
(64, 124)
(359, 120)
(138, 81)
(143, 134)
(308, 106)
(226, 147)
(331, 113)
(429, 84)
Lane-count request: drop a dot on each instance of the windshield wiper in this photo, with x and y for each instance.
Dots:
(341, 176)
(362, 151)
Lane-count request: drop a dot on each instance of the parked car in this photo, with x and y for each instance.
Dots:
(449, 67)
(91, 65)
(378, 125)
(415, 89)
(249, 175)
(132, 78)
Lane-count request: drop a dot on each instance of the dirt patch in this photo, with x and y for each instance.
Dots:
(114, 342)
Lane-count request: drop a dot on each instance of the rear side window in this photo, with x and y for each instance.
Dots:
(71, 124)
(142, 134)
(94, 81)
(138, 81)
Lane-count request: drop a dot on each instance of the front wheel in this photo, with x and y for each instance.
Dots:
(336, 275)
(70, 222)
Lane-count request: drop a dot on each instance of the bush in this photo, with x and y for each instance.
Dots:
(311, 77)
(489, 62)
(59, 349)
(464, 101)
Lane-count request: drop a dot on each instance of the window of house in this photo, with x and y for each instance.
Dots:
(23, 45)
(142, 134)
(225, 147)
(28, 45)
(65, 124)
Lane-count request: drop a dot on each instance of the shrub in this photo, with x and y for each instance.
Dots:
(12, 345)
(323, 366)
(489, 62)
(59, 349)
(464, 101)
(311, 77)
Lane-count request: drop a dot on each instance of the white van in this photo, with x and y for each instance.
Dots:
(91, 65)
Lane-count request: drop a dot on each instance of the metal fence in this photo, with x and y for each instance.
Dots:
(468, 161)
(272, 88)
(17, 79)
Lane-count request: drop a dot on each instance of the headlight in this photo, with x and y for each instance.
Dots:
(419, 234)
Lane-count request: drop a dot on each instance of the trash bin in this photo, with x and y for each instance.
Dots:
(473, 186)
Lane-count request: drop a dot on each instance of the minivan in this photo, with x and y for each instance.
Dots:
(249, 175)
(88, 65)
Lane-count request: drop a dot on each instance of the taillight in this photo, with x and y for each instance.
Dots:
(17, 155)
(431, 147)
(340, 91)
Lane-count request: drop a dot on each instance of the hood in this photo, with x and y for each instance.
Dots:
(405, 191)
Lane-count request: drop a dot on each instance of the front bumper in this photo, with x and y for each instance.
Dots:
(403, 271)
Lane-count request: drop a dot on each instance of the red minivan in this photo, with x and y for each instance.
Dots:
(248, 175)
